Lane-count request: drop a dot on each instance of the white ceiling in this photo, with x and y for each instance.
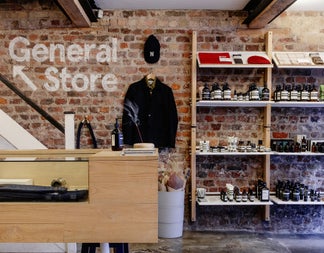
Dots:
(299, 5)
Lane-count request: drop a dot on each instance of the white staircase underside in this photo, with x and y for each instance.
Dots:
(14, 136)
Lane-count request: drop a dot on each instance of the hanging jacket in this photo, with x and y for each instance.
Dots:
(157, 115)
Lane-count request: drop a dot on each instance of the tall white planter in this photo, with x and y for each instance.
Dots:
(171, 214)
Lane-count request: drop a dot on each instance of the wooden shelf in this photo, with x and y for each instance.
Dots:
(199, 153)
(298, 153)
(290, 202)
(214, 200)
(215, 59)
(296, 60)
(297, 104)
(226, 103)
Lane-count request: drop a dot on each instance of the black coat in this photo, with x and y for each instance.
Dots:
(158, 118)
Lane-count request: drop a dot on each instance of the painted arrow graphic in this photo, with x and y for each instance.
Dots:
(18, 70)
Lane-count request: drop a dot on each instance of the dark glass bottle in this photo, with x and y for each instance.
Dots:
(117, 140)
(265, 93)
(212, 92)
(206, 92)
(218, 95)
(265, 193)
(303, 144)
(276, 96)
(284, 93)
(227, 92)
(235, 96)
(293, 94)
(304, 94)
(254, 93)
(314, 94)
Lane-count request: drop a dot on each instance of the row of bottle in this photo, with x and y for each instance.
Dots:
(232, 193)
(225, 93)
(296, 147)
(295, 191)
(233, 146)
(293, 92)
(283, 92)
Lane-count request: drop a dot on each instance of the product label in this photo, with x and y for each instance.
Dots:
(314, 95)
(293, 95)
(255, 95)
(205, 95)
(113, 143)
(218, 94)
(304, 95)
(265, 195)
(227, 94)
(284, 95)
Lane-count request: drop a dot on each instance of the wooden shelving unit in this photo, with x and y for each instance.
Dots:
(205, 59)
(225, 59)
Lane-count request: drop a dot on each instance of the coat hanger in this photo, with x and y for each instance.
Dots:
(150, 76)
(150, 81)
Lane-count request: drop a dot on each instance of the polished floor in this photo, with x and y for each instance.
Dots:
(227, 242)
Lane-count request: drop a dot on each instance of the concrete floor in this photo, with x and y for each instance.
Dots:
(227, 242)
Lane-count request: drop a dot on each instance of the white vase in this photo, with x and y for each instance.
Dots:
(171, 214)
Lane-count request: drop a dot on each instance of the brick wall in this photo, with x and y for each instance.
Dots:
(217, 30)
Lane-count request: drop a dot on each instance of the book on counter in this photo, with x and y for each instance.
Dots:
(139, 151)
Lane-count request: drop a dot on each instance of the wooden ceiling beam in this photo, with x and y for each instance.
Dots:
(75, 12)
(273, 10)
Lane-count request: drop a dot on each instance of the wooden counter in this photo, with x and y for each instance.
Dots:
(122, 204)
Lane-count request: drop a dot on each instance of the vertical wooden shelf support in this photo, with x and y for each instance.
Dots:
(193, 124)
(267, 120)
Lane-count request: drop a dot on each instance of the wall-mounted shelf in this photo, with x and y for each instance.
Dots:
(297, 104)
(298, 153)
(214, 200)
(226, 103)
(213, 103)
(297, 59)
(214, 59)
(290, 202)
(233, 153)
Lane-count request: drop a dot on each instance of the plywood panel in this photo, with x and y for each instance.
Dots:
(31, 233)
(126, 178)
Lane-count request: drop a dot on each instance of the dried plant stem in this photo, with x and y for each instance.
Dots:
(139, 133)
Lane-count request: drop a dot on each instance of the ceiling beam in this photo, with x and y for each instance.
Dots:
(75, 12)
(270, 12)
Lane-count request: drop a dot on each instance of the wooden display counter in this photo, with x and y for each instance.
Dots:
(121, 207)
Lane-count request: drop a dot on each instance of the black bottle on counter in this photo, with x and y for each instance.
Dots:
(117, 139)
